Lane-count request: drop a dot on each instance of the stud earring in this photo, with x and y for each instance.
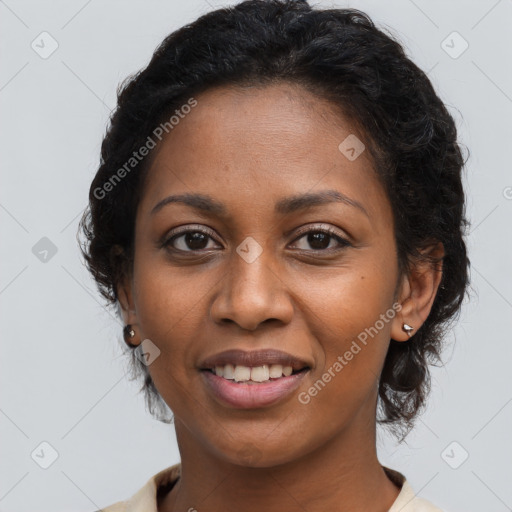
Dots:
(128, 334)
(407, 329)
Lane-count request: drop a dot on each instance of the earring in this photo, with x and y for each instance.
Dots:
(407, 329)
(128, 334)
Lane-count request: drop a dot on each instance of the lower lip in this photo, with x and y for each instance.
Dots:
(251, 396)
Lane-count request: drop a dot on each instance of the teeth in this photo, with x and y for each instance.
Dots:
(275, 371)
(263, 373)
(242, 373)
(260, 373)
(229, 371)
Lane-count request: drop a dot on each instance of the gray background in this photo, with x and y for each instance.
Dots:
(62, 370)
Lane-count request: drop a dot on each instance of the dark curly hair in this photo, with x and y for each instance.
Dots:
(339, 55)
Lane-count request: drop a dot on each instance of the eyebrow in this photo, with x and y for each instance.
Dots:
(286, 206)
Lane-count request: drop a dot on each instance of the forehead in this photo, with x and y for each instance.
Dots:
(259, 144)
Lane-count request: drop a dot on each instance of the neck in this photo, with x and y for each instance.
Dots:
(343, 474)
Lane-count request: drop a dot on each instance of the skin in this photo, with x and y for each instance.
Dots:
(248, 148)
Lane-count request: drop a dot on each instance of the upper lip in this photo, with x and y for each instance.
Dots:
(253, 358)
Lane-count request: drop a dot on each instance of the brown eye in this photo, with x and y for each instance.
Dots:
(189, 241)
(322, 239)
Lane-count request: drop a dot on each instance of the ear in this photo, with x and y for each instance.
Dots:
(417, 292)
(124, 291)
(126, 303)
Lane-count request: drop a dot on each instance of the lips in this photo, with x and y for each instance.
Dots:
(254, 358)
(240, 395)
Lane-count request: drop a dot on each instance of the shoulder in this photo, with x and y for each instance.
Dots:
(120, 506)
(407, 501)
(145, 499)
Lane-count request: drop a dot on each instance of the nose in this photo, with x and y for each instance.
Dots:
(251, 294)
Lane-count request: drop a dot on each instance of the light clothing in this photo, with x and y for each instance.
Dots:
(145, 499)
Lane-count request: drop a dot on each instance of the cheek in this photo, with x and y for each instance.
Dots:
(164, 294)
(352, 322)
(170, 310)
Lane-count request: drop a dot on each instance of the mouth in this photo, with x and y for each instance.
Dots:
(239, 392)
(252, 379)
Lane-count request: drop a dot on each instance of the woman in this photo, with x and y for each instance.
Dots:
(279, 216)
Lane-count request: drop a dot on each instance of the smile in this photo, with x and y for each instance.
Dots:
(238, 388)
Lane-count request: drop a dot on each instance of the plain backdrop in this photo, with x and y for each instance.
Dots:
(62, 369)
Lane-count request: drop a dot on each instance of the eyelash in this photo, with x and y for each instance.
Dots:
(167, 243)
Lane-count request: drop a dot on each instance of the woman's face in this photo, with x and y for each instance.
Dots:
(248, 276)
